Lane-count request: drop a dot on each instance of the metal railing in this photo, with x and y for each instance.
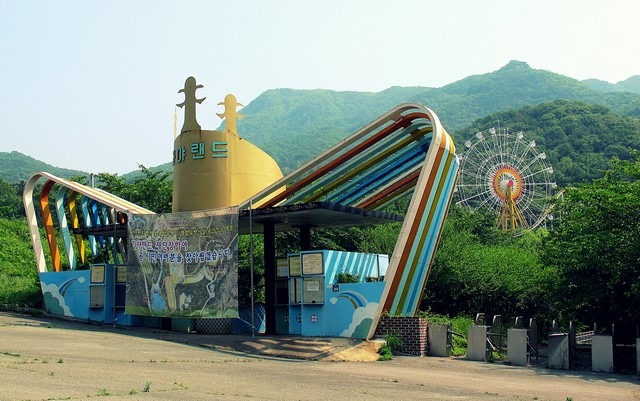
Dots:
(584, 338)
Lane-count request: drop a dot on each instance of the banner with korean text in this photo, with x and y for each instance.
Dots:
(183, 264)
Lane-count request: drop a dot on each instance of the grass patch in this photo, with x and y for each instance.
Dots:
(392, 343)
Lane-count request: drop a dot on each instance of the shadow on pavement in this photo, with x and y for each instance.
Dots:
(290, 347)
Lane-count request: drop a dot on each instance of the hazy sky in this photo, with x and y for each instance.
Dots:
(91, 85)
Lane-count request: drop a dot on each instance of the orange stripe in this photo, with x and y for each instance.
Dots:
(446, 212)
(393, 289)
(48, 225)
(430, 187)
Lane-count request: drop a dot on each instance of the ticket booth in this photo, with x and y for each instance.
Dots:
(97, 295)
(311, 300)
(107, 295)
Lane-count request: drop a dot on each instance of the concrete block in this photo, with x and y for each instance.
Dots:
(558, 351)
(438, 334)
(477, 343)
(517, 347)
(602, 353)
(638, 355)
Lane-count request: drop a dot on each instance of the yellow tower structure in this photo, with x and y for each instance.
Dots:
(215, 169)
(510, 215)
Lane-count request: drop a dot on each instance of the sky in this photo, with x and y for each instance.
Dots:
(92, 85)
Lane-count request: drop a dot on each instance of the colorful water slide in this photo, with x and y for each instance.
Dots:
(102, 201)
(63, 226)
(405, 152)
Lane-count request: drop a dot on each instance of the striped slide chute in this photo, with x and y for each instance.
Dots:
(405, 152)
(92, 200)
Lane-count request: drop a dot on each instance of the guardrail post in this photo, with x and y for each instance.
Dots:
(558, 351)
(477, 343)
(638, 356)
(517, 346)
(438, 335)
(602, 353)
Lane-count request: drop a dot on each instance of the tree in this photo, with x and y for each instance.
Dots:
(477, 268)
(153, 191)
(245, 267)
(595, 248)
(18, 274)
(10, 201)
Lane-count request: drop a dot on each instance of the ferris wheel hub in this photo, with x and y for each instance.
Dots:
(507, 177)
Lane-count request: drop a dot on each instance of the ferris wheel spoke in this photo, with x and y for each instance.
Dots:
(481, 154)
(494, 203)
(471, 198)
(536, 159)
(471, 186)
(537, 172)
(472, 162)
(516, 144)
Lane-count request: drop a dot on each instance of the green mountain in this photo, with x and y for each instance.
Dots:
(628, 85)
(16, 167)
(293, 126)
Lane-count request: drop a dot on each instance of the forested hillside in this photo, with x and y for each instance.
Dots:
(579, 139)
(295, 125)
(628, 85)
(16, 167)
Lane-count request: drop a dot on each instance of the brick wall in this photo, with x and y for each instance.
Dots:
(411, 330)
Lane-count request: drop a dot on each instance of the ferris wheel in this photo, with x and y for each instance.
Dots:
(500, 170)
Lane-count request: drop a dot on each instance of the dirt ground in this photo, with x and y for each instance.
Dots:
(51, 359)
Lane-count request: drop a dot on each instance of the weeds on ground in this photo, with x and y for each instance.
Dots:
(181, 386)
(393, 342)
(496, 356)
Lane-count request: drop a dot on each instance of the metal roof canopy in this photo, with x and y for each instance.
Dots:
(108, 230)
(314, 214)
(286, 218)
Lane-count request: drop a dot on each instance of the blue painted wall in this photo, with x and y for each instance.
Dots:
(338, 309)
(66, 293)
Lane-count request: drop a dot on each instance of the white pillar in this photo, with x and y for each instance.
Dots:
(517, 347)
(437, 337)
(602, 353)
(477, 343)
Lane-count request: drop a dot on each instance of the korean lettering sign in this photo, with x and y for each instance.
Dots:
(200, 151)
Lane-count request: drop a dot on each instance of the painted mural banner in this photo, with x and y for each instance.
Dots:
(183, 264)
